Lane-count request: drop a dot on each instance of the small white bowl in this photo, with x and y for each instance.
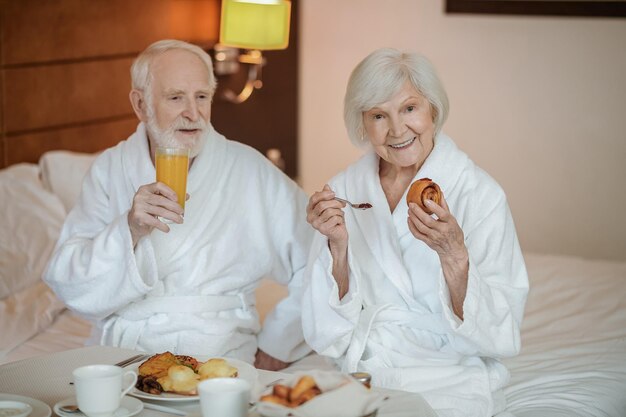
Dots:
(14, 409)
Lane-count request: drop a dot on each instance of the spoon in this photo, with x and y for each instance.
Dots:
(358, 206)
(70, 408)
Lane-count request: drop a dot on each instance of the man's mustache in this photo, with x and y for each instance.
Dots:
(186, 125)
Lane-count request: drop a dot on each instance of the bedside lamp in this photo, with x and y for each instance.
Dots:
(253, 25)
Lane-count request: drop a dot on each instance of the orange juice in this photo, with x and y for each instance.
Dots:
(172, 165)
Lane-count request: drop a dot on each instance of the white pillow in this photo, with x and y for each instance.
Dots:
(25, 314)
(30, 222)
(62, 172)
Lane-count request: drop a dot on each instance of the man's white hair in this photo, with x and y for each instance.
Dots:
(141, 76)
(381, 75)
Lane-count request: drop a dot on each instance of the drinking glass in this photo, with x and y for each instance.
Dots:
(172, 166)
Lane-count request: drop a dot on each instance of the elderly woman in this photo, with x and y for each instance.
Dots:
(424, 303)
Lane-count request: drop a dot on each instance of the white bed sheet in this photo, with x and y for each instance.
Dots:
(573, 359)
(68, 331)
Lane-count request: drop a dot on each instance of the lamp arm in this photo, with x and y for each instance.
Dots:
(255, 60)
(252, 81)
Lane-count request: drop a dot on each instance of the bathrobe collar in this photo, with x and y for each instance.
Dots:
(443, 165)
(139, 168)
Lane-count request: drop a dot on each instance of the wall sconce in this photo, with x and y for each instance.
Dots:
(253, 25)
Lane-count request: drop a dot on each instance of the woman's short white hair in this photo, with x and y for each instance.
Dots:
(381, 75)
(140, 70)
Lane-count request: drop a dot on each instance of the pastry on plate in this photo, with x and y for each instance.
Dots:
(217, 368)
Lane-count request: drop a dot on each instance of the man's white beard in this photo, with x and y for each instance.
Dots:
(167, 138)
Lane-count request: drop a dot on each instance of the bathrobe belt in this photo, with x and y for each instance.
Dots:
(135, 316)
(388, 314)
(191, 304)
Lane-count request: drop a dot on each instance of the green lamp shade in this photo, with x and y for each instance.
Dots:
(260, 24)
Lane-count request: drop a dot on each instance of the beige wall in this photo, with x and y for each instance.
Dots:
(538, 102)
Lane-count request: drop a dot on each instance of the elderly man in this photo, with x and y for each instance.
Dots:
(186, 286)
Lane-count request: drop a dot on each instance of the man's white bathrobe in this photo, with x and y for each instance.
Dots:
(396, 322)
(191, 290)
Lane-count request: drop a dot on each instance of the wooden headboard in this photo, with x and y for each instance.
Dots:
(64, 75)
(65, 68)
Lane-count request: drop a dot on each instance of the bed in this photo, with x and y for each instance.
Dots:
(573, 359)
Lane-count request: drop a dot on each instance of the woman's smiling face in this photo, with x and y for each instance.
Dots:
(401, 130)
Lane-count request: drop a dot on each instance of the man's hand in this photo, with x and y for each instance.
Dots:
(150, 201)
(267, 362)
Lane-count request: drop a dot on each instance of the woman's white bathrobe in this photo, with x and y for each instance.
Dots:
(191, 290)
(396, 322)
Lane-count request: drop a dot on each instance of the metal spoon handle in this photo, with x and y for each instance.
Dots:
(360, 206)
(343, 201)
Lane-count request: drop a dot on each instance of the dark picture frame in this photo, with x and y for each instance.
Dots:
(616, 8)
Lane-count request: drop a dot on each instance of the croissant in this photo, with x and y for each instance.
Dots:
(422, 190)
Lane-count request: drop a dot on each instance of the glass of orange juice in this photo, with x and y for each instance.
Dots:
(172, 166)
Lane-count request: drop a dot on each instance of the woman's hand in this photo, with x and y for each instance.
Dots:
(444, 236)
(150, 201)
(326, 216)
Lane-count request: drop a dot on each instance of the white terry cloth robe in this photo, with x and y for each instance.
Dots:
(396, 321)
(189, 291)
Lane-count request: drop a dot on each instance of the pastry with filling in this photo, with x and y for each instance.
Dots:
(422, 190)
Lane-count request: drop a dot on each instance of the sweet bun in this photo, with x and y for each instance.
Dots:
(282, 391)
(307, 395)
(217, 368)
(304, 384)
(275, 399)
(303, 390)
(422, 190)
(180, 379)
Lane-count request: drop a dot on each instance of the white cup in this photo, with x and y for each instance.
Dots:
(99, 388)
(221, 397)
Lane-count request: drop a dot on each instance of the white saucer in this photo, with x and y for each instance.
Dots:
(129, 406)
(40, 409)
(14, 408)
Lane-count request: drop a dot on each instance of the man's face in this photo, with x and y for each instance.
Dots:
(179, 103)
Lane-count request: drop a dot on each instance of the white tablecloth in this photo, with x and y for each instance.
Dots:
(47, 378)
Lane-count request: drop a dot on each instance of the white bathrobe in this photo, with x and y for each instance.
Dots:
(396, 322)
(191, 290)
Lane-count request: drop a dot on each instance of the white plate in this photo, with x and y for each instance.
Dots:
(40, 409)
(244, 371)
(129, 406)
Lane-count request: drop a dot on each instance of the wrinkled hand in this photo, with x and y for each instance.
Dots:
(443, 234)
(150, 201)
(326, 216)
(264, 361)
